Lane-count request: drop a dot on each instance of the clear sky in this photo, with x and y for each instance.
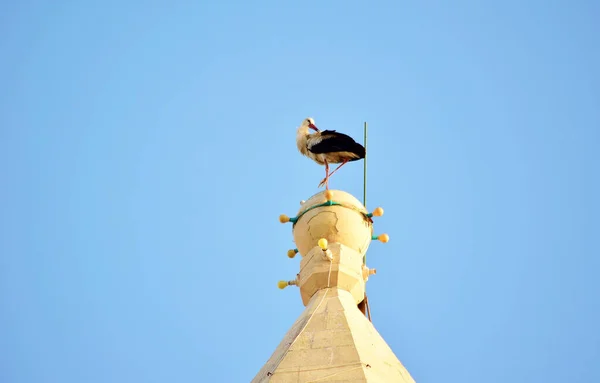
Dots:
(147, 149)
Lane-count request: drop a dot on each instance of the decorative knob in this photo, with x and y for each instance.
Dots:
(283, 284)
(384, 238)
(285, 219)
(323, 243)
(329, 195)
(378, 212)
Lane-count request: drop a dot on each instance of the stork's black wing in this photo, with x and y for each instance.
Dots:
(332, 141)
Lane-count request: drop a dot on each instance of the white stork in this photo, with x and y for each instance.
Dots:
(327, 147)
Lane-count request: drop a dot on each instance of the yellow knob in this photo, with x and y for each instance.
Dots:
(383, 238)
(378, 212)
(322, 243)
(291, 253)
(329, 195)
(282, 284)
(284, 218)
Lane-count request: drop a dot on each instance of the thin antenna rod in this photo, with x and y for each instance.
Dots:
(366, 300)
(365, 171)
(365, 182)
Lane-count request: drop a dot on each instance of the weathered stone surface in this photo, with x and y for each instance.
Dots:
(344, 271)
(332, 341)
(334, 223)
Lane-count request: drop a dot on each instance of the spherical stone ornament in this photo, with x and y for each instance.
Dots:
(323, 243)
(341, 224)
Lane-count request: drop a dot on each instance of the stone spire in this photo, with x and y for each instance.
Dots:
(332, 340)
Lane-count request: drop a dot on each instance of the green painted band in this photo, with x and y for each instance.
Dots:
(330, 203)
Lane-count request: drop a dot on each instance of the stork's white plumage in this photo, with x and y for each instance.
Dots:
(327, 147)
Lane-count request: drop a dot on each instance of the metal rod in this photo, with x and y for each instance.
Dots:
(366, 300)
(365, 171)
(365, 182)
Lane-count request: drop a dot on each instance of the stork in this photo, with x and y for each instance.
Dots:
(327, 147)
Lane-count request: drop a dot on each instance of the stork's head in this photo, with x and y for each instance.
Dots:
(310, 122)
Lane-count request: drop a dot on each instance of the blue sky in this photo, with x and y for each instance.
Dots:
(147, 149)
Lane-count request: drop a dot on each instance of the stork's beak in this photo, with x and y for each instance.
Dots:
(313, 127)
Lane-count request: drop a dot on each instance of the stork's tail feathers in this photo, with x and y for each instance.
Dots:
(359, 150)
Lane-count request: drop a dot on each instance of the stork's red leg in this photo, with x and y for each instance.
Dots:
(326, 175)
(336, 169)
(325, 180)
